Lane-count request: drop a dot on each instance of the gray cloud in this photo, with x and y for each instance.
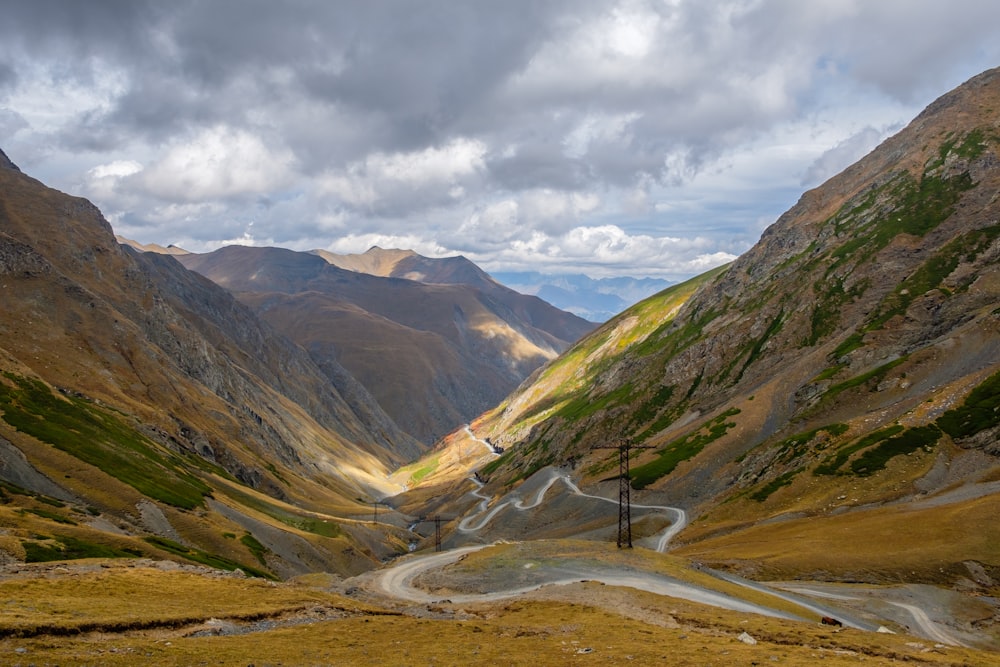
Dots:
(843, 155)
(563, 134)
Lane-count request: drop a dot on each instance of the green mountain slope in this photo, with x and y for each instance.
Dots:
(848, 361)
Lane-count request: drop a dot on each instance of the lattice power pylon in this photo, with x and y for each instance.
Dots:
(437, 521)
(624, 448)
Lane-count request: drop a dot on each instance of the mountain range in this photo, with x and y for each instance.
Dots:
(434, 341)
(825, 408)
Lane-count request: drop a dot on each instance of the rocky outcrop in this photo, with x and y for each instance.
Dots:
(5, 162)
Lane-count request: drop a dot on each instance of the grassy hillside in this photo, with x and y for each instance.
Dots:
(842, 372)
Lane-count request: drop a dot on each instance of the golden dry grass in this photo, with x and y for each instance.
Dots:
(128, 616)
(884, 543)
(123, 598)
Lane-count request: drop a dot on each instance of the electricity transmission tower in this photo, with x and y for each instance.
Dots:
(437, 529)
(624, 491)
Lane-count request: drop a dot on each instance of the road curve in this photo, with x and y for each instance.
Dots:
(928, 628)
(397, 582)
(484, 514)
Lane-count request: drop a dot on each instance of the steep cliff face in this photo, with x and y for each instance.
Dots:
(856, 346)
(142, 390)
(434, 341)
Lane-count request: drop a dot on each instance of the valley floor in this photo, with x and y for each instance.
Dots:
(149, 613)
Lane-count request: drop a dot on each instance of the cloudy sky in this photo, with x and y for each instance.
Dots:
(632, 137)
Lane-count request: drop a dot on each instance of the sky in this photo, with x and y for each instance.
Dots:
(605, 137)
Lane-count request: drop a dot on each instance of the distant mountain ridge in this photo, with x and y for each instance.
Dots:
(433, 352)
(594, 300)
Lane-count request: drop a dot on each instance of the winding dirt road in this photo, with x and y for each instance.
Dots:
(397, 581)
(924, 624)
(484, 514)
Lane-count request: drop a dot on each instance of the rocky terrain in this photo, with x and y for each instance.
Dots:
(146, 411)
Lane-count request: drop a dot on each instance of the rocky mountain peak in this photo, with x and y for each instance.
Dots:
(5, 162)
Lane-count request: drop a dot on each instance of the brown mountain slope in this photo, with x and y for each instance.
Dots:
(460, 271)
(432, 354)
(146, 396)
(849, 362)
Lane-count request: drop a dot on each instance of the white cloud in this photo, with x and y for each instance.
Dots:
(553, 211)
(843, 155)
(607, 250)
(220, 162)
(429, 177)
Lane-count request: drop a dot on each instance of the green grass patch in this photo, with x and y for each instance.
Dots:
(100, 438)
(427, 469)
(979, 411)
(8, 488)
(277, 474)
(669, 337)
(765, 491)
(794, 446)
(660, 410)
(772, 328)
(932, 273)
(498, 462)
(906, 442)
(858, 380)
(205, 558)
(853, 342)
(536, 465)
(905, 206)
(255, 547)
(71, 548)
(928, 276)
(652, 406)
(51, 516)
(831, 297)
(972, 146)
(307, 523)
(583, 405)
(832, 464)
(682, 449)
